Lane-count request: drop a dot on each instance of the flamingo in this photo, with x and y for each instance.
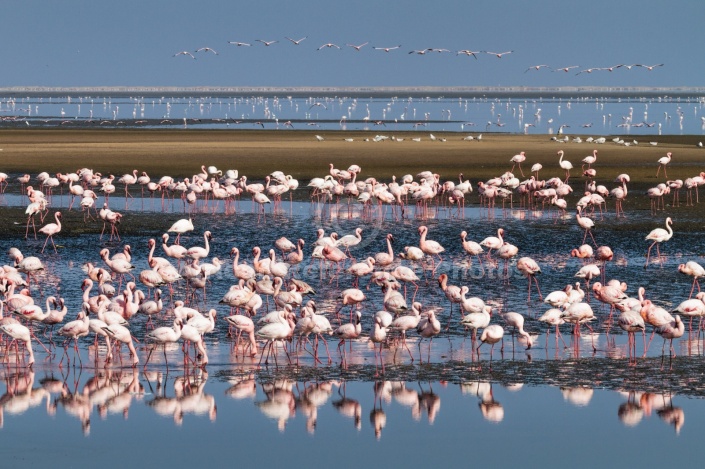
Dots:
(428, 328)
(180, 227)
(274, 332)
(50, 229)
(122, 334)
(163, 336)
(349, 331)
(658, 236)
(384, 259)
(198, 252)
(529, 268)
(518, 159)
(74, 330)
(428, 246)
(492, 242)
(566, 165)
(671, 331)
(19, 332)
(590, 159)
(631, 322)
(379, 336)
(552, 317)
(587, 224)
(695, 270)
(244, 324)
(491, 335)
(478, 320)
(175, 251)
(241, 271)
(662, 162)
(516, 321)
(471, 247)
(409, 321)
(452, 292)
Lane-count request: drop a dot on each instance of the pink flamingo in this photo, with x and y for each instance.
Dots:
(658, 236)
(430, 247)
(518, 159)
(50, 229)
(529, 268)
(662, 162)
(695, 270)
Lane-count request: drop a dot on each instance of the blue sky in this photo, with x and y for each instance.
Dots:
(132, 43)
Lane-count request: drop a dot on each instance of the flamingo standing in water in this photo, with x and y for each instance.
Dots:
(180, 227)
(662, 162)
(491, 335)
(529, 268)
(658, 236)
(163, 336)
(632, 322)
(587, 224)
(50, 229)
(493, 242)
(19, 332)
(566, 165)
(430, 247)
(695, 270)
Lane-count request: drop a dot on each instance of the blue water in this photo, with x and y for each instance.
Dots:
(598, 116)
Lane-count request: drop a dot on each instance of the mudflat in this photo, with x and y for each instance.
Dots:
(180, 153)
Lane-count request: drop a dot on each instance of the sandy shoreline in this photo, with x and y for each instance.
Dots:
(180, 153)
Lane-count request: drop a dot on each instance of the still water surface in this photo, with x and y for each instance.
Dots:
(549, 405)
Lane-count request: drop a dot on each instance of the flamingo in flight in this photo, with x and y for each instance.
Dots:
(498, 54)
(387, 49)
(357, 48)
(266, 43)
(184, 52)
(296, 42)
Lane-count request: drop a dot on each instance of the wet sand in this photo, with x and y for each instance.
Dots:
(180, 153)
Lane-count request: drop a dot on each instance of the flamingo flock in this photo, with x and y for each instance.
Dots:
(273, 277)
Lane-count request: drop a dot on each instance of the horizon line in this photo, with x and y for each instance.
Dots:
(476, 91)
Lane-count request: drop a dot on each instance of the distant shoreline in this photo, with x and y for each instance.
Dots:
(408, 91)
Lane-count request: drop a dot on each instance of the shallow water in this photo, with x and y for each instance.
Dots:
(236, 403)
(599, 115)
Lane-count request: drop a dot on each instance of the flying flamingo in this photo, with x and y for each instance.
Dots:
(658, 236)
(50, 229)
(662, 162)
(566, 165)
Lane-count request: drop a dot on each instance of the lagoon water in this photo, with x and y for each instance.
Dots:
(549, 405)
(600, 115)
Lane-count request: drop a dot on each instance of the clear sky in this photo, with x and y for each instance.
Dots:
(133, 42)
